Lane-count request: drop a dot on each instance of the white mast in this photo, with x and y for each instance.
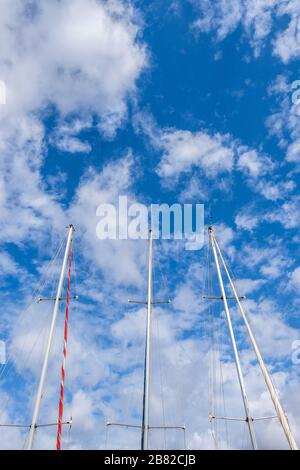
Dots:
(50, 340)
(274, 396)
(145, 426)
(235, 351)
(145, 423)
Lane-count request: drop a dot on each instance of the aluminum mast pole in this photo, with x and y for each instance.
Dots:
(50, 340)
(235, 351)
(145, 423)
(273, 393)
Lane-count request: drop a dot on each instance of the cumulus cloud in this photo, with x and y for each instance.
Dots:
(204, 154)
(66, 137)
(86, 67)
(283, 123)
(183, 150)
(25, 206)
(270, 260)
(259, 171)
(258, 21)
(293, 153)
(90, 63)
(246, 219)
(287, 214)
(254, 164)
(81, 74)
(295, 279)
(92, 69)
(120, 259)
(287, 43)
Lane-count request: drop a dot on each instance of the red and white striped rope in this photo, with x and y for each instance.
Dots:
(63, 367)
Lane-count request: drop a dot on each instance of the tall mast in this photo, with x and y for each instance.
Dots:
(63, 366)
(273, 393)
(145, 426)
(145, 422)
(249, 419)
(39, 394)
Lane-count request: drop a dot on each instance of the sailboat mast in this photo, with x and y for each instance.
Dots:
(145, 423)
(273, 393)
(50, 340)
(234, 346)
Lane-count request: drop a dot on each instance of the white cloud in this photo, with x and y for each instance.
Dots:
(246, 220)
(224, 17)
(225, 236)
(295, 279)
(287, 43)
(8, 265)
(283, 123)
(254, 164)
(246, 286)
(196, 188)
(257, 17)
(258, 169)
(90, 65)
(183, 150)
(273, 334)
(105, 356)
(105, 364)
(25, 206)
(287, 214)
(275, 190)
(66, 138)
(293, 153)
(270, 260)
(120, 259)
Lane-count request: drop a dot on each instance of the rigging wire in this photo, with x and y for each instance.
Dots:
(216, 376)
(161, 382)
(41, 333)
(39, 289)
(234, 278)
(220, 322)
(63, 366)
(212, 369)
(4, 405)
(40, 337)
(155, 322)
(161, 363)
(73, 311)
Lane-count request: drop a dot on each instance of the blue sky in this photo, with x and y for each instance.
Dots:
(184, 101)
